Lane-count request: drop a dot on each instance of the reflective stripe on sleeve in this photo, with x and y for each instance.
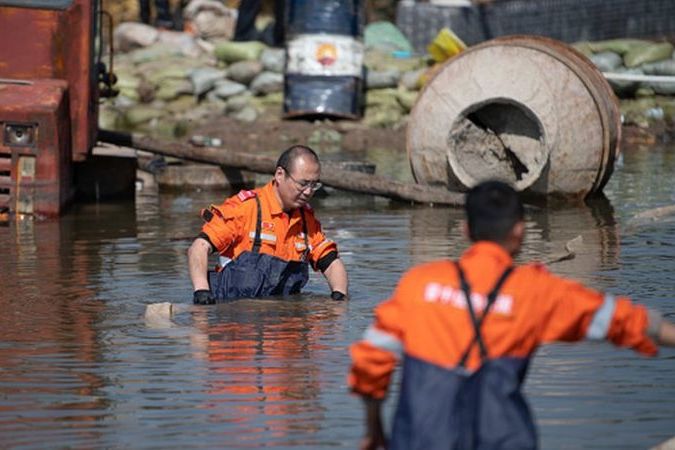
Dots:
(383, 340)
(323, 243)
(601, 320)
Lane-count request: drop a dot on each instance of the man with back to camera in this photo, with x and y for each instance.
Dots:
(464, 362)
(267, 238)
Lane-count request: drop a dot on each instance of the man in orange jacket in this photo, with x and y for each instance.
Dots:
(464, 361)
(266, 238)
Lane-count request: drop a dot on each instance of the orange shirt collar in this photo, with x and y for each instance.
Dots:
(491, 250)
(270, 197)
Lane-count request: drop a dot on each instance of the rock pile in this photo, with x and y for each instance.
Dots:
(170, 81)
(642, 74)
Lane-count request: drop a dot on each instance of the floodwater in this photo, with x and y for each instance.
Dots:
(81, 368)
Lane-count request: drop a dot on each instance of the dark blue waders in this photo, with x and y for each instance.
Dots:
(455, 409)
(254, 274)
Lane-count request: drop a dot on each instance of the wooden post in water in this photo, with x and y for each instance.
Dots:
(331, 175)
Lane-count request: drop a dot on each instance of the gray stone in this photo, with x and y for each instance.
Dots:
(182, 43)
(267, 83)
(665, 67)
(247, 114)
(226, 88)
(130, 35)
(212, 98)
(123, 102)
(411, 79)
(382, 79)
(244, 71)
(139, 114)
(607, 61)
(154, 52)
(273, 59)
(205, 78)
(238, 102)
(661, 87)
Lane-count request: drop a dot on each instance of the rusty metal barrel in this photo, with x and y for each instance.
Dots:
(528, 110)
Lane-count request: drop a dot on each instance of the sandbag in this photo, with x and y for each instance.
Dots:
(130, 35)
(665, 67)
(231, 52)
(385, 36)
(620, 46)
(606, 61)
(647, 54)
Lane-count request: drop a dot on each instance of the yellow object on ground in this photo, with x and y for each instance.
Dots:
(445, 45)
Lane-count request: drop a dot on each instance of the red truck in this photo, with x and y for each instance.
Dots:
(50, 73)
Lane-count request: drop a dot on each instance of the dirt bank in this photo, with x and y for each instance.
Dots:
(271, 136)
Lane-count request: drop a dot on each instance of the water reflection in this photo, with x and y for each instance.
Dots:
(50, 348)
(79, 367)
(549, 230)
(439, 233)
(262, 373)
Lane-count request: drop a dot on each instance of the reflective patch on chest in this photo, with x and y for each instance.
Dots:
(264, 236)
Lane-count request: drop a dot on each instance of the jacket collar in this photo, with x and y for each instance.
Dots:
(490, 250)
(268, 191)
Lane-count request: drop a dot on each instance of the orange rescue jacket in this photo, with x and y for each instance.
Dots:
(230, 227)
(426, 317)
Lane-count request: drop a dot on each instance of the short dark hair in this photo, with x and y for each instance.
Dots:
(492, 209)
(287, 159)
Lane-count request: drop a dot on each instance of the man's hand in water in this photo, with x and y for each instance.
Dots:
(203, 297)
(338, 296)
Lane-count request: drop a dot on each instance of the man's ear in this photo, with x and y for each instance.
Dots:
(518, 230)
(278, 173)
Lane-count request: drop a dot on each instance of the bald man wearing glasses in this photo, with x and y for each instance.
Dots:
(267, 238)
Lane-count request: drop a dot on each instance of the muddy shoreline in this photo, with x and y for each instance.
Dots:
(274, 135)
(270, 136)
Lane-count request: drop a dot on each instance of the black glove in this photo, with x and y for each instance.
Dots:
(337, 295)
(203, 297)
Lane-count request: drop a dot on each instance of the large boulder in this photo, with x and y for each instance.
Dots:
(131, 35)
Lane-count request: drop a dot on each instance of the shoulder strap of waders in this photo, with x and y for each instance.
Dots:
(476, 322)
(304, 231)
(258, 225)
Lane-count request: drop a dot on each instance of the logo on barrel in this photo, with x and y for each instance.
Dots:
(326, 54)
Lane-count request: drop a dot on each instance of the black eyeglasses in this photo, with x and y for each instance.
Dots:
(304, 185)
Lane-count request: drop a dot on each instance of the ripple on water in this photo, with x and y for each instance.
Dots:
(80, 368)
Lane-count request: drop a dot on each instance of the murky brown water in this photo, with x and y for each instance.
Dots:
(80, 368)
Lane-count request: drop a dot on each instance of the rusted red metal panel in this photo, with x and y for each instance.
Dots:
(56, 43)
(37, 174)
